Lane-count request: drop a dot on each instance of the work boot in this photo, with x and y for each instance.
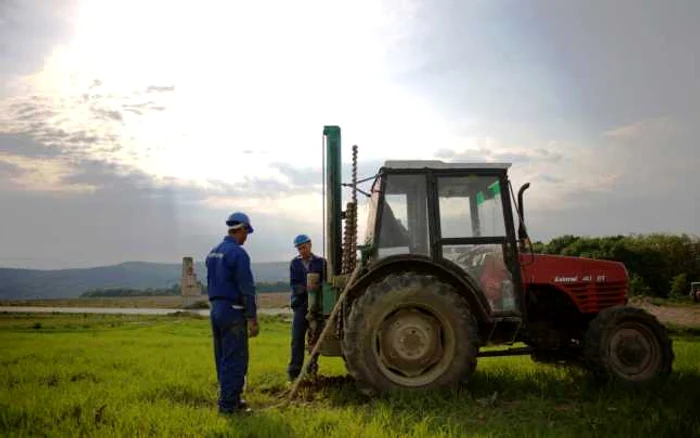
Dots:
(242, 407)
(238, 410)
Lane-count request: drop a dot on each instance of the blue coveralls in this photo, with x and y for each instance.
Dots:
(231, 290)
(300, 305)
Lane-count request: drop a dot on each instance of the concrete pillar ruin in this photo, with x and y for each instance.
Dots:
(190, 288)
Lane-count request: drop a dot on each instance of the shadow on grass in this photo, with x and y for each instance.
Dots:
(569, 396)
(568, 383)
(333, 390)
(256, 425)
(336, 390)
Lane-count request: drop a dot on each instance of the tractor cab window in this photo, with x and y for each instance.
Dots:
(404, 216)
(470, 207)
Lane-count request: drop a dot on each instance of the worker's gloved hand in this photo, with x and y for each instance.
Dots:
(313, 325)
(310, 316)
(253, 328)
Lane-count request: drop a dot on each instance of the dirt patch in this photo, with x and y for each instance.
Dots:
(678, 316)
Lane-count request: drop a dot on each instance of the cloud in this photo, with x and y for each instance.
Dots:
(312, 176)
(9, 169)
(621, 180)
(106, 114)
(92, 211)
(160, 89)
(623, 71)
(38, 175)
(667, 125)
(29, 31)
(540, 71)
(21, 144)
(490, 150)
(128, 215)
(550, 179)
(104, 212)
(98, 126)
(635, 179)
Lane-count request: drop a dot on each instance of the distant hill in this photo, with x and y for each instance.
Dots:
(70, 283)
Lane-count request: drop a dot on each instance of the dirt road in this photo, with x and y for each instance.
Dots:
(686, 316)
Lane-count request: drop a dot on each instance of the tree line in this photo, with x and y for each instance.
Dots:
(659, 265)
(261, 287)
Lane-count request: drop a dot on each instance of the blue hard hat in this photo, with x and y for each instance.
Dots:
(301, 238)
(239, 218)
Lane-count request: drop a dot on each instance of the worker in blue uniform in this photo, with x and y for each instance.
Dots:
(304, 263)
(231, 290)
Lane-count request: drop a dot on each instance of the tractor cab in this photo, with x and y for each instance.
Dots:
(456, 214)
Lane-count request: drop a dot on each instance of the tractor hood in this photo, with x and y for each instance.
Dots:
(566, 270)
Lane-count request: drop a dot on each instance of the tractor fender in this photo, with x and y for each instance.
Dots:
(445, 269)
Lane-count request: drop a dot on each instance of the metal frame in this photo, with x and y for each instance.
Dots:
(437, 242)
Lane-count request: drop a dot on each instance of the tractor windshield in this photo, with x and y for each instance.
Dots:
(472, 218)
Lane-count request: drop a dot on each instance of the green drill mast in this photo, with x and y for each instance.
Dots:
(334, 199)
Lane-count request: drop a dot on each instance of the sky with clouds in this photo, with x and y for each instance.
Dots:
(130, 130)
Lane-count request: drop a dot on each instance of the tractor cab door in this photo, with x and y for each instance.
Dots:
(474, 229)
(403, 218)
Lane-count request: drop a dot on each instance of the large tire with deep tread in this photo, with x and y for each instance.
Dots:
(629, 346)
(397, 299)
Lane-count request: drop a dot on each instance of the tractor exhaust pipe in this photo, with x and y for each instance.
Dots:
(522, 233)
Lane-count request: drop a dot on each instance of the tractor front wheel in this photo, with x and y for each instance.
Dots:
(628, 345)
(410, 331)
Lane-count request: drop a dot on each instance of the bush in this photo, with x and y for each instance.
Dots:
(637, 287)
(679, 286)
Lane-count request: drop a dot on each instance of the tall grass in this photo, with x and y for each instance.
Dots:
(131, 376)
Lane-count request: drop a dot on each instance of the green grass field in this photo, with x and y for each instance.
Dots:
(110, 375)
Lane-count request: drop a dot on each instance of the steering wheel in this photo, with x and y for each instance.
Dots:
(471, 257)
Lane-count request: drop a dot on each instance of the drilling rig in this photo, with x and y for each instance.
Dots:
(446, 272)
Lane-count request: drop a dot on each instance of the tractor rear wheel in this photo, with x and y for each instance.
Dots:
(627, 345)
(410, 331)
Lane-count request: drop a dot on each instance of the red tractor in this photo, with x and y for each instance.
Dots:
(447, 269)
